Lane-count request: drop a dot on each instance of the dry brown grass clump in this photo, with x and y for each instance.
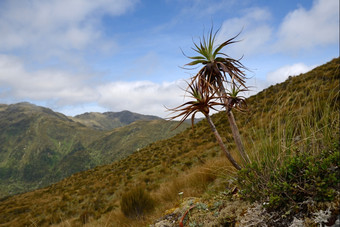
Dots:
(136, 203)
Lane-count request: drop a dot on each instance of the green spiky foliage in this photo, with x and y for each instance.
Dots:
(217, 65)
(235, 100)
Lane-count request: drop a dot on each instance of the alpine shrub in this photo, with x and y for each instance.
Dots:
(300, 178)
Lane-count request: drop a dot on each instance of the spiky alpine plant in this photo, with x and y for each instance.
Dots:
(203, 102)
(235, 100)
(216, 64)
(218, 68)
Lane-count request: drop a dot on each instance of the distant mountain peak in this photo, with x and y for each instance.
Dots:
(27, 108)
(110, 120)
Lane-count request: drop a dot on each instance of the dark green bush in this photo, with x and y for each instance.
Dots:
(136, 203)
(300, 177)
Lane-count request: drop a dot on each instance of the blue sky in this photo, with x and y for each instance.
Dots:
(78, 56)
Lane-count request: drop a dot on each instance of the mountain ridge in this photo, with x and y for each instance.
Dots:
(110, 120)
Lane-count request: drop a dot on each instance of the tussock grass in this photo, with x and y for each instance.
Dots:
(298, 128)
(136, 202)
(193, 182)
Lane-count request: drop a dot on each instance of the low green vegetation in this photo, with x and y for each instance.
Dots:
(301, 177)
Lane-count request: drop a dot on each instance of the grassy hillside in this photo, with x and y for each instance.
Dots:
(298, 115)
(33, 141)
(110, 120)
(39, 146)
(123, 141)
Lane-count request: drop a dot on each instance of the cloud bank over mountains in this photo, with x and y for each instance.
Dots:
(51, 52)
(65, 89)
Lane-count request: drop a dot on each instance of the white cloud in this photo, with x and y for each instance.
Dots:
(47, 26)
(255, 34)
(60, 86)
(284, 72)
(300, 29)
(59, 89)
(141, 96)
(303, 29)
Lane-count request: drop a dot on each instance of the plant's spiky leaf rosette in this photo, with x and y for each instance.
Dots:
(217, 65)
(203, 101)
(235, 101)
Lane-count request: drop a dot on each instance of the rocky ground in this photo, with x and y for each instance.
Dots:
(227, 209)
